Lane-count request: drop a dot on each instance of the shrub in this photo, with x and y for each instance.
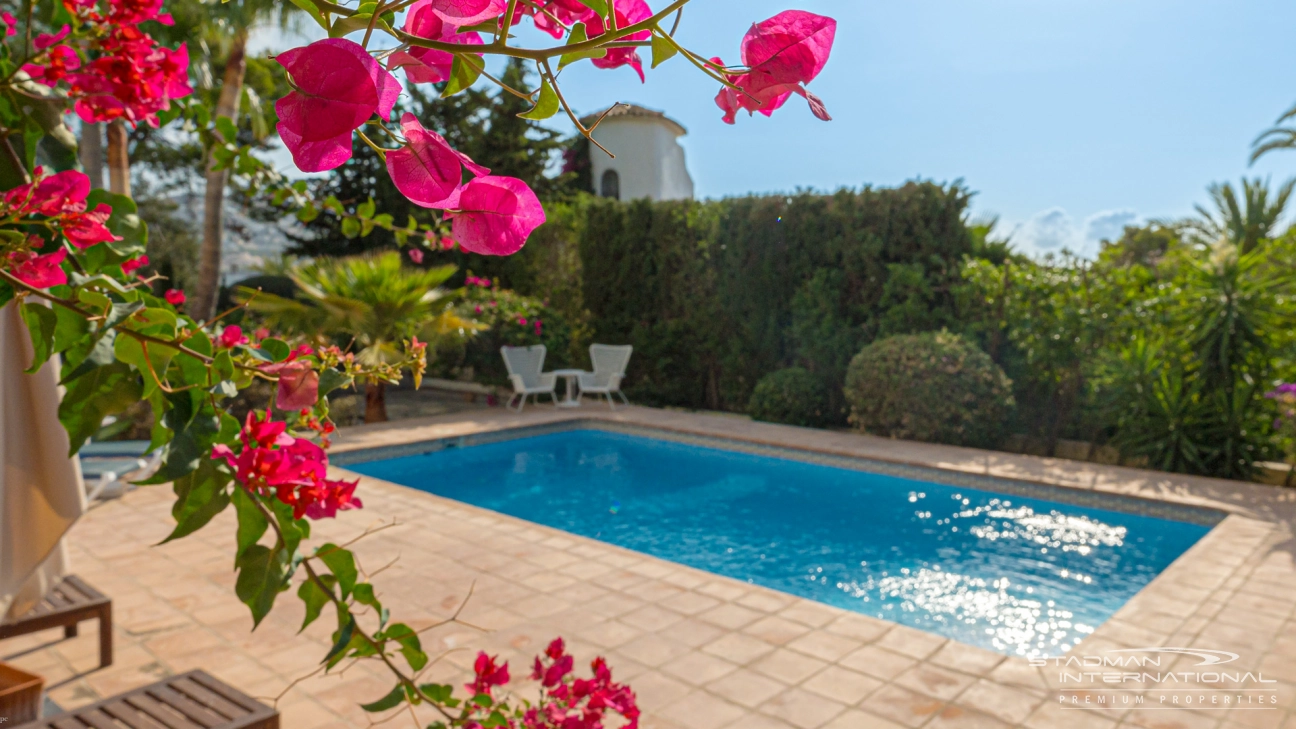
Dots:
(794, 396)
(510, 319)
(933, 387)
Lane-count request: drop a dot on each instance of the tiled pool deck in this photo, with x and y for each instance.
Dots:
(702, 651)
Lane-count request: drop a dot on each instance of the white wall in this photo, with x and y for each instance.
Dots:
(649, 160)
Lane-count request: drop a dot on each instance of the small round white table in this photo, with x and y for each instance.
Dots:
(572, 398)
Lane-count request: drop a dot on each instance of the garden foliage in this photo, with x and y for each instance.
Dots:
(794, 396)
(935, 386)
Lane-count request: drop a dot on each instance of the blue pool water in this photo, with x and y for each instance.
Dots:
(1016, 575)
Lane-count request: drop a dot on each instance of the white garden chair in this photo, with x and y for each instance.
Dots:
(609, 369)
(524, 367)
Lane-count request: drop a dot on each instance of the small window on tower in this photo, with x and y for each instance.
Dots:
(611, 185)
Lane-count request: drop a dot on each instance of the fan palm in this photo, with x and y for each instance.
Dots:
(1243, 222)
(371, 300)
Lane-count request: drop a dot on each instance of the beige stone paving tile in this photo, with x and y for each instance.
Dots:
(1006, 703)
(586, 569)
(1020, 674)
(841, 684)
(687, 579)
(653, 590)
(693, 633)
(759, 721)
(729, 616)
(902, 706)
(853, 719)
(652, 650)
(1255, 719)
(746, 687)
(549, 581)
(779, 631)
(697, 668)
(689, 603)
(965, 658)
(651, 618)
(957, 717)
(701, 710)
(802, 708)
(722, 590)
(1172, 719)
(1051, 716)
(859, 627)
(788, 666)
(609, 633)
(910, 642)
(810, 613)
(935, 681)
(738, 648)
(878, 662)
(824, 645)
(766, 601)
(613, 605)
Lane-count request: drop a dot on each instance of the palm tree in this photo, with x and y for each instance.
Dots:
(1243, 222)
(1276, 137)
(226, 27)
(371, 300)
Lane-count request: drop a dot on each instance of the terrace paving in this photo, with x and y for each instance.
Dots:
(701, 651)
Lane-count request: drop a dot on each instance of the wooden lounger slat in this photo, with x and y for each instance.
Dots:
(159, 711)
(128, 715)
(193, 711)
(193, 700)
(99, 720)
(197, 692)
(66, 604)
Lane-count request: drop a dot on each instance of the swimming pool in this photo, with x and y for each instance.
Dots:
(1018, 575)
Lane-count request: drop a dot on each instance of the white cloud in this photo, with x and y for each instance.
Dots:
(1051, 230)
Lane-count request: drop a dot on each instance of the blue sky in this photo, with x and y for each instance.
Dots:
(1068, 117)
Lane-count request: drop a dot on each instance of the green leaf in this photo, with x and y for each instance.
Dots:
(149, 358)
(200, 496)
(350, 227)
(662, 49)
(342, 564)
(577, 35)
(101, 392)
(463, 73)
(314, 597)
(6, 293)
(440, 693)
(546, 106)
(278, 349)
(120, 312)
(227, 128)
(359, 21)
(331, 379)
(260, 580)
(123, 222)
(313, 11)
(366, 209)
(252, 524)
(390, 701)
(411, 648)
(598, 6)
(343, 640)
(364, 594)
(41, 322)
(81, 361)
(223, 365)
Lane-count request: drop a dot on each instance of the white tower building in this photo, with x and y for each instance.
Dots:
(649, 160)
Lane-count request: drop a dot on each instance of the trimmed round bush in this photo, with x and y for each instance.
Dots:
(793, 396)
(935, 387)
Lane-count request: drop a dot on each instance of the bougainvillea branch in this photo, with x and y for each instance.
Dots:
(70, 259)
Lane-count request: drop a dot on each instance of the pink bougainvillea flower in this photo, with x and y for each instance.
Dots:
(264, 433)
(62, 59)
(298, 384)
(231, 336)
(39, 272)
(628, 12)
(494, 215)
(134, 264)
(566, 12)
(427, 169)
(782, 54)
(488, 674)
(132, 78)
(338, 87)
(64, 192)
(11, 24)
(87, 229)
(174, 297)
(324, 499)
(468, 12)
(416, 255)
(428, 65)
(45, 40)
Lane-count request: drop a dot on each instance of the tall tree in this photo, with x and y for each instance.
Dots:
(1242, 221)
(228, 25)
(1276, 137)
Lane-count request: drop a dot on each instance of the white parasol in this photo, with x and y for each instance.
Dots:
(41, 493)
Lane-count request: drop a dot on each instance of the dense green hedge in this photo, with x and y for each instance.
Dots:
(715, 295)
(795, 396)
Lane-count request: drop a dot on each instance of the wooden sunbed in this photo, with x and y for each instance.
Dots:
(67, 603)
(192, 700)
